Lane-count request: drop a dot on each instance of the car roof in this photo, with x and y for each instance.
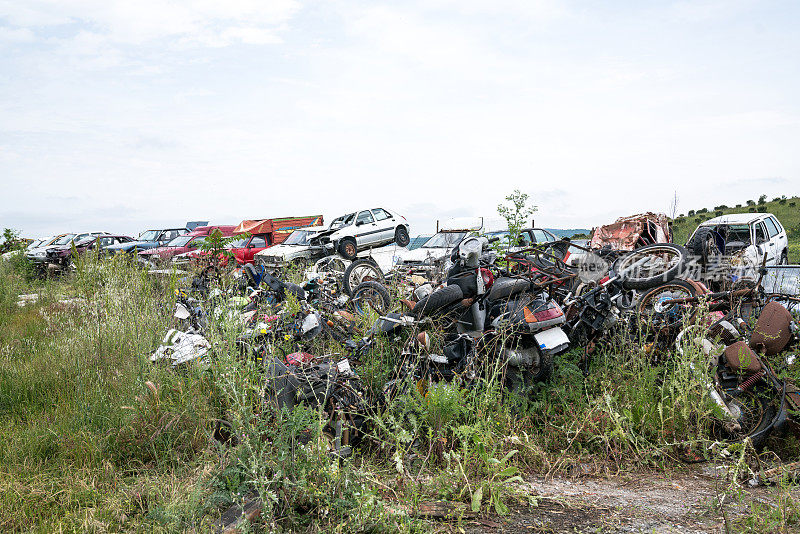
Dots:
(736, 218)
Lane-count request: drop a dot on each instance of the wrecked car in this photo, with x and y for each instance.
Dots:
(759, 236)
(147, 240)
(629, 233)
(61, 257)
(182, 243)
(354, 232)
(296, 250)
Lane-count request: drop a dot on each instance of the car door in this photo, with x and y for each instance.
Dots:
(257, 244)
(777, 241)
(385, 223)
(761, 242)
(366, 229)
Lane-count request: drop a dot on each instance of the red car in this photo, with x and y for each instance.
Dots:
(182, 243)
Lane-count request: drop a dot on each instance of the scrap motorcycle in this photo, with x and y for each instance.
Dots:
(485, 310)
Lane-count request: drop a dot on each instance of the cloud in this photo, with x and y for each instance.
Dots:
(205, 22)
(16, 35)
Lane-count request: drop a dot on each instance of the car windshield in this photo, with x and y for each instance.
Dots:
(444, 240)
(299, 237)
(241, 243)
(64, 240)
(150, 235)
(84, 238)
(341, 222)
(180, 241)
(734, 232)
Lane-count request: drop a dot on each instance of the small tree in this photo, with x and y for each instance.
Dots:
(216, 245)
(762, 199)
(751, 202)
(516, 213)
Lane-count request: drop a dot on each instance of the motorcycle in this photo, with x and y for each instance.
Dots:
(751, 400)
(508, 317)
(597, 307)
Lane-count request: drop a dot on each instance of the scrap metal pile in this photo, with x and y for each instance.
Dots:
(499, 313)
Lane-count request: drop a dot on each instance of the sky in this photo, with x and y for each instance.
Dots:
(121, 116)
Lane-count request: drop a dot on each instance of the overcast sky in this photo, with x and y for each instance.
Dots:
(121, 116)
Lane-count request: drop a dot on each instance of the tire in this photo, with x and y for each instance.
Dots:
(650, 314)
(702, 244)
(754, 420)
(654, 272)
(364, 270)
(348, 248)
(401, 236)
(373, 295)
(784, 258)
(436, 301)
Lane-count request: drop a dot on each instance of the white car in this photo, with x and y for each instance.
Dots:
(742, 241)
(363, 229)
(295, 250)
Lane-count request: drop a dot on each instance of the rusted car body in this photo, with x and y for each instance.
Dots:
(630, 233)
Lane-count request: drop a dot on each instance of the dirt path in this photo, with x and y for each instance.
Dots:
(682, 503)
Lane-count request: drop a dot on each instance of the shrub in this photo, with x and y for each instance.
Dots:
(738, 205)
(762, 199)
(762, 209)
(751, 210)
(751, 202)
(718, 213)
(691, 213)
(704, 210)
(721, 207)
(792, 204)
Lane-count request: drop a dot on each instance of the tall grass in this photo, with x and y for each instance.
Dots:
(97, 438)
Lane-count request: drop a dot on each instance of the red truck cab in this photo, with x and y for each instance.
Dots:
(183, 243)
(267, 232)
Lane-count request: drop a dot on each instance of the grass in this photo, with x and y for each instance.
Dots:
(786, 210)
(97, 439)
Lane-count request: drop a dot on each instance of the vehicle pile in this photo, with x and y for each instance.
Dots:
(472, 305)
(491, 315)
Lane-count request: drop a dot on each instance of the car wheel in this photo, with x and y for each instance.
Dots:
(348, 248)
(784, 258)
(401, 236)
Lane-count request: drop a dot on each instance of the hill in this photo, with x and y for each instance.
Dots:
(786, 209)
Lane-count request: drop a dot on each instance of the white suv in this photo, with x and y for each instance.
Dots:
(745, 239)
(363, 229)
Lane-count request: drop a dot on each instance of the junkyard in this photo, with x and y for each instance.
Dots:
(399, 267)
(487, 379)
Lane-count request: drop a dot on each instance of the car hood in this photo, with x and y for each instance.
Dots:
(283, 250)
(158, 250)
(131, 244)
(422, 254)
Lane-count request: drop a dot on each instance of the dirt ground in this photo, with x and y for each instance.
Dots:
(684, 503)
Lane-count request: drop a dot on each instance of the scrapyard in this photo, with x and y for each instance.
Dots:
(304, 356)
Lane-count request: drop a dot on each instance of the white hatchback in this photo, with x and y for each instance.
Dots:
(364, 229)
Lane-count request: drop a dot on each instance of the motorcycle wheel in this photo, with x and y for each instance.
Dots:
(371, 296)
(358, 272)
(651, 265)
(520, 379)
(651, 312)
(755, 413)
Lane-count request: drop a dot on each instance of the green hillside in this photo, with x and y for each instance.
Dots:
(786, 209)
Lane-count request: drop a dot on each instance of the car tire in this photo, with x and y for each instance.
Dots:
(348, 248)
(784, 258)
(401, 236)
(373, 274)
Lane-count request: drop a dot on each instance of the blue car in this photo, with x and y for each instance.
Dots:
(147, 240)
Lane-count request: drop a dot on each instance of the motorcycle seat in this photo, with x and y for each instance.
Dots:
(505, 287)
